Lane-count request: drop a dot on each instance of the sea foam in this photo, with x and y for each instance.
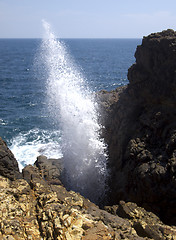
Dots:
(27, 146)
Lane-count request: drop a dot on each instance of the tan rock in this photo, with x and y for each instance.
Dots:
(36, 210)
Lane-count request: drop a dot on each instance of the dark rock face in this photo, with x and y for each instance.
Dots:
(145, 223)
(51, 169)
(8, 164)
(140, 129)
(152, 78)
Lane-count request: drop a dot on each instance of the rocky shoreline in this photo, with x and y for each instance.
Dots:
(35, 205)
(140, 131)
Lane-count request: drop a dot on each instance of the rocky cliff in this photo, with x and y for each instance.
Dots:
(140, 129)
(37, 206)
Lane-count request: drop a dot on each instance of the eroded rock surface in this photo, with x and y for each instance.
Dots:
(37, 206)
(140, 129)
(35, 209)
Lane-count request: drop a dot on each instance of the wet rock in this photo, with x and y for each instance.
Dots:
(8, 164)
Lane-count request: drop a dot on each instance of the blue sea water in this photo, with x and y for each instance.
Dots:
(25, 123)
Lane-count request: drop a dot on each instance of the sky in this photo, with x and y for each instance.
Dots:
(86, 18)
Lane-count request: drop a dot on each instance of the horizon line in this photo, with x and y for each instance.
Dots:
(73, 38)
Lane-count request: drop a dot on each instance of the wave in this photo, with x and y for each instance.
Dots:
(27, 146)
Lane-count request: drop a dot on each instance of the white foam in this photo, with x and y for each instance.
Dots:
(26, 147)
(3, 122)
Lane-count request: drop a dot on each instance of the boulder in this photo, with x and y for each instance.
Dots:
(51, 169)
(8, 163)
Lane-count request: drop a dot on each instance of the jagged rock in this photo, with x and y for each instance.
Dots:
(30, 172)
(37, 210)
(145, 223)
(18, 218)
(8, 164)
(140, 129)
(51, 169)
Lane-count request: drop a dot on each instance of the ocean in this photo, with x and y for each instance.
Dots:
(26, 121)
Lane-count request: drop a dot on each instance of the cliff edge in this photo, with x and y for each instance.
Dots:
(140, 129)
